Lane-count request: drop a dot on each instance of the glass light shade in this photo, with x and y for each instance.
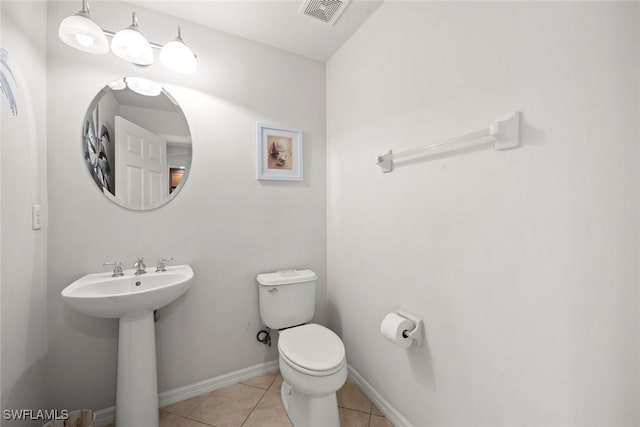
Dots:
(79, 31)
(143, 86)
(177, 57)
(131, 46)
(117, 84)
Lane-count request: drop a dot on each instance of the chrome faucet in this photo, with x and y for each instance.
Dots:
(161, 267)
(139, 266)
(117, 268)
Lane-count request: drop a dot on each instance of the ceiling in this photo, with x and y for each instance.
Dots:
(272, 22)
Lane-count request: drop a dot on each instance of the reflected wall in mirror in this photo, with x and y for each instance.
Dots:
(137, 144)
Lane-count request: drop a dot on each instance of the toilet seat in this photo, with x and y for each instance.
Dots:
(312, 349)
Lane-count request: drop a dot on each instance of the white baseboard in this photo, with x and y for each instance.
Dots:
(376, 398)
(105, 416)
(187, 392)
(108, 415)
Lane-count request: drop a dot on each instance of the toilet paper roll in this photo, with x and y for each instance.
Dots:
(393, 326)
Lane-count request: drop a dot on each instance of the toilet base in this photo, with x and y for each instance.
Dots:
(310, 411)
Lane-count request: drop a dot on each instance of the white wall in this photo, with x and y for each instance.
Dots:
(523, 264)
(3, 110)
(225, 223)
(22, 177)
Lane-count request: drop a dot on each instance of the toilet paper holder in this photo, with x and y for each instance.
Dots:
(416, 333)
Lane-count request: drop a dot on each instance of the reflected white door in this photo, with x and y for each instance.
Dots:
(142, 175)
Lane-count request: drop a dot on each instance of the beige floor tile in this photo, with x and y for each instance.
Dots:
(277, 383)
(349, 418)
(269, 412)
(167, 419)
(192, 423)
(377, 421)
(250, 404)
(376, 411)
(262, 381)
(228, 407)
(185, 407)
(350, 397)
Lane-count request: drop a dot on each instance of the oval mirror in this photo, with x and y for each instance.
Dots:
(136, 143)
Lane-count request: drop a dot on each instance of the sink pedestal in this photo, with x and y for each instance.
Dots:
(137, 382)
(132, 298)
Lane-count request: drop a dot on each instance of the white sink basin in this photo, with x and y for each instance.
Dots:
(101, 295)
(132, 299)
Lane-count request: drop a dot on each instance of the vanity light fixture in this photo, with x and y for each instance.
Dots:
(177, 57)
(81, 32)
(118, 84)
(130, 45)
(143, 86)
(139, 85)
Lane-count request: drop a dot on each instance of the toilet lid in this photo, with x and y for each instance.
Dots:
(312, 347)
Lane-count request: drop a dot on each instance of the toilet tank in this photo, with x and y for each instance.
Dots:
(287, 298)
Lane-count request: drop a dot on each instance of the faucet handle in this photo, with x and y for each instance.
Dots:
(139, 266)
(161, 267)
(117, 268)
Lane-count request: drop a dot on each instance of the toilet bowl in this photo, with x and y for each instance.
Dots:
(313, 367)
(311, 357)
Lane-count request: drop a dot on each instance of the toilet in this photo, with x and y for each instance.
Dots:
(311, 357)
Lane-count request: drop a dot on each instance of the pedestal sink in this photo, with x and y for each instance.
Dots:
(132, 299)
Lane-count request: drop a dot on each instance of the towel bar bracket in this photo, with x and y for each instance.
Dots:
(386, 162)
(506, 131)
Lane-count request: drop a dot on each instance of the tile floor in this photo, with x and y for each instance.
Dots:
(256, 403)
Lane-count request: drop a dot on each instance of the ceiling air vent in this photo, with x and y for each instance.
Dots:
(324, 10)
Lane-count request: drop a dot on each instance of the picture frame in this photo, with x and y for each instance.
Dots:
(279, 153)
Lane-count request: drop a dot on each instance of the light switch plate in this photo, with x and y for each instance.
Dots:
(36, 217)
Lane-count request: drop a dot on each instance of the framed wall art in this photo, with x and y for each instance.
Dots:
(279, 153)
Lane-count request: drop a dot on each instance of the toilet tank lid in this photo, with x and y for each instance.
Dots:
(286, 277)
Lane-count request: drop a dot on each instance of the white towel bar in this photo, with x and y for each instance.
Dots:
(504, 133)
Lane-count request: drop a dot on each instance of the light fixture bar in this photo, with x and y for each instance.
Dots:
(82, 33)
(154, 45)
